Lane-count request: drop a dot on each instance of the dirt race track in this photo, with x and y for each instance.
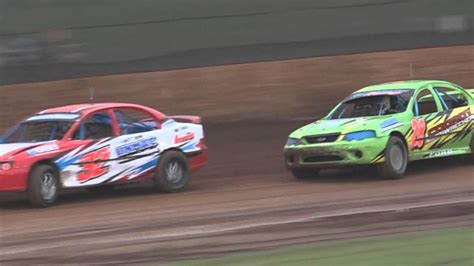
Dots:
(244, 199)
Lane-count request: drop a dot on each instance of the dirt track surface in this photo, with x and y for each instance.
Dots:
(244, 200)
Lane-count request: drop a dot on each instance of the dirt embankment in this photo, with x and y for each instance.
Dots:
(260, 91)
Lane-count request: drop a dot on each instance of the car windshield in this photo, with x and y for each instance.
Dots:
(373, 103)
(37, 130)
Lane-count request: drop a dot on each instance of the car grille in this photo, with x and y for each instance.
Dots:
(322, 138)
(322, 158)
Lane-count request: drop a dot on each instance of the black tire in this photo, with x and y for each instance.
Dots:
(172, 173)
(471, 145)
(396, 159)
(305, 173)
(43, 186)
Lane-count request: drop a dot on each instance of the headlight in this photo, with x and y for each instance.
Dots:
(293, 142)
(5, 166)
(360, 135)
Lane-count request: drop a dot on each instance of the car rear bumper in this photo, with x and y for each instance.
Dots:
(336, 154)
(197, 160)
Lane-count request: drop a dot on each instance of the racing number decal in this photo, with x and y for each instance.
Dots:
(93, 164)
(419, 129)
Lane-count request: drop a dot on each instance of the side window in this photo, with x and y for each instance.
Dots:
(425, 103)
(133, 121)
(96, 126)
(451, 98)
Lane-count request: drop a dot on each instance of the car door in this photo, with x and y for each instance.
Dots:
(137, 148)
(91, 162)
(455, 128)
(427, 114)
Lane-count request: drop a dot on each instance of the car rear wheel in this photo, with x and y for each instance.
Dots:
(304, 173)
(396, 159)
(43, 187)
(172, 173)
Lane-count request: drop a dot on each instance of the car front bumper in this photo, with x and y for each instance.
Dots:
(14, 180)
(335, 154)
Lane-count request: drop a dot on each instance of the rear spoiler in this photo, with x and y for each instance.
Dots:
(186, 119)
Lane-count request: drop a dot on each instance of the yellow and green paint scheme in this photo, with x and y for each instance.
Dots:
(434, 119)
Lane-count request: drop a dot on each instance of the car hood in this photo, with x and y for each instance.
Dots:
(10, 149)
(322, 127)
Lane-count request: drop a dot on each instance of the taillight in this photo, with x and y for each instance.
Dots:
(202, 144)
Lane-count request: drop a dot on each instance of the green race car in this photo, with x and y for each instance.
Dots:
(387, 125)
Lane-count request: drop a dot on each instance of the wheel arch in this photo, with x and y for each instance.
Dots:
(173, 149)
(403, 139)
(399, 135)
(48, 162)
(177, 149)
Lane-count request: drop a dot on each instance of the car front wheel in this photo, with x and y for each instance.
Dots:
(471, 145)
(396, 159)
(43, 188)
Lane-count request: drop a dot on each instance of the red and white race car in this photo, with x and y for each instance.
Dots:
(92, 145)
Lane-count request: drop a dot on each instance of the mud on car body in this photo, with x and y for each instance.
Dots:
(387, 125)
(98, 146)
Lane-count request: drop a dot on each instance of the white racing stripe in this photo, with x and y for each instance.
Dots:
(191, 231)
(9, 147)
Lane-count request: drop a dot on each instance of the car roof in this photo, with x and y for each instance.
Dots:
(88, 108)
(399, 85)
